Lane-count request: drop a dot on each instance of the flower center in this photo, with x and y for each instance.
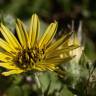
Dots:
(28, 58)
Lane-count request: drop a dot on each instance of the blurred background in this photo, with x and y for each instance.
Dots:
(75, 75)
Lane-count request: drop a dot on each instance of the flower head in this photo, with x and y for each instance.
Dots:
(28, 51)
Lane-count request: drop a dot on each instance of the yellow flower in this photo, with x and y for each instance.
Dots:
(28, 51)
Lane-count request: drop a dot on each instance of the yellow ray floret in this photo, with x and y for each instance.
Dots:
(28, 52)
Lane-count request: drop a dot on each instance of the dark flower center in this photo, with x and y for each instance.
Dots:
(28, 57)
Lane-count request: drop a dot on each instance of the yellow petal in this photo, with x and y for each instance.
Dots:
(9, 37)
(44, 67)
(39, 68)
(58, 60)
(4, 57)
(63, 50)
(12, 72)
(34, 30)
(75, 39)
(21, 32)
(58, 43)
(48, 35)
(8, 65)
(5, 45)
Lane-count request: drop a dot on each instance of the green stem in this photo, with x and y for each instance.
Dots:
(38, 84)
(37, 81)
